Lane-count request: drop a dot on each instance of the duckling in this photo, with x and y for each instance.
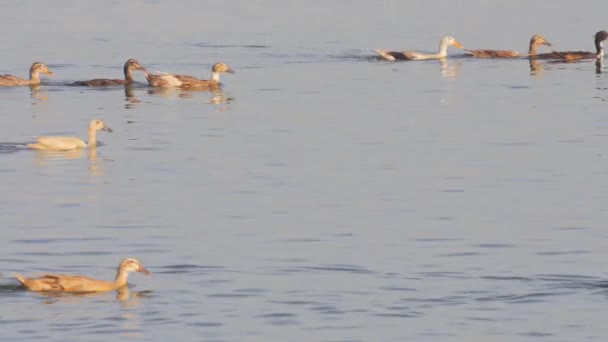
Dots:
(568, 56)
(187, 81)
(60, 143)
(130, 65)
(417, 56)
(68, 283)
(535, 41)
(35, 70)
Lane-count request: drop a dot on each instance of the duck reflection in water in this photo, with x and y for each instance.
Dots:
(451, 69)
(130, 97)
(217, 96)
(127, 297)
(37, 94)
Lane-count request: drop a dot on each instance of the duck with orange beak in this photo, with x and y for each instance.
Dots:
(444, 43)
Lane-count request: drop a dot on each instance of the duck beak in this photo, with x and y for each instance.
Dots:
(457, 44)
(546, 43)
(230, 71)
(50, 73)
(144, 271)
(107, 129)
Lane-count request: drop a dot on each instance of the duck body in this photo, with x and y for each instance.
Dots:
(598, 40)
(62, 143)
(36, 69)
(190, 82)
(535, 41)
(492, 53)
(71, 283)
(130, 66)
(444, 43)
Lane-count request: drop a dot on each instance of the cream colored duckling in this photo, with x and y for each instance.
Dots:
(444, 43)
(60, 143)
(35, 70)
(68, 283)
(187, 81)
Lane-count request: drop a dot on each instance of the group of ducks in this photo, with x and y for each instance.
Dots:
(63, 143)
(536, 41)
(67, 283)
(154, 80)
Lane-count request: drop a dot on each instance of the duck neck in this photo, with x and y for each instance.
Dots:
(443, 49)
(34, 77)
(128, 74)
(215, 76)
(532, 49)
(599, 48)
(121, 278)
(92, 137)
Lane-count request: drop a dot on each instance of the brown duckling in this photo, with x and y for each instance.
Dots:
(535, 41)
(598, 39)
(418, 56)
(130, 65)
(187, 81)
(61, 143)
(69, 283)
(35, 70)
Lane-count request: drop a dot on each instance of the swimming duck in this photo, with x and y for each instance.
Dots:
(598, 39)
(535, 41)
(187, 81)
(60, 143)
(130, 65)
(416, 56)
(69, 283)
(35, 70)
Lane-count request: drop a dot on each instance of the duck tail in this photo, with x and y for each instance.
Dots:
(384, 54)
(20, 278)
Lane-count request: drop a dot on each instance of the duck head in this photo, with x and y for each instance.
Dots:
(97, 125)
(537, 39)
(600, 36)
(40, 68)
(132, 265)
(221, 67)
(133, 64)
(450, 41)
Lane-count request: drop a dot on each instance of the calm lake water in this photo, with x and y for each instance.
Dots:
(323, 195)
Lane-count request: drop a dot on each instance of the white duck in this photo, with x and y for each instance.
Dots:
(418, 56)
(61, 143)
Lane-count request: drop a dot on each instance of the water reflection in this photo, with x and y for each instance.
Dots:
(215, 96)
(599, 66)
(536, 68)
(38, 96)
(124, 295)
(130, 97)
(449, 70)
(46, 158)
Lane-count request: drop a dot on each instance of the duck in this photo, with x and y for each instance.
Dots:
(130, 65)
(71, 283)
(187, 81)
(568, 56)
(418, 56)
(535, 41)
(36, 69)
(61, 143)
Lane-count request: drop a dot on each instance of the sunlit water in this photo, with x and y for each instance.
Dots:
(322, 195)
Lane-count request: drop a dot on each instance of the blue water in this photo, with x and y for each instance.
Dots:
(321, 195)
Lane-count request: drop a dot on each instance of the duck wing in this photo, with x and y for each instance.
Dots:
(492, 53)
(100, 82)
(187, 78)
(57, 143)
(163, 80)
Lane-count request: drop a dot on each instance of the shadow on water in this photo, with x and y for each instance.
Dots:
(12, 147)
